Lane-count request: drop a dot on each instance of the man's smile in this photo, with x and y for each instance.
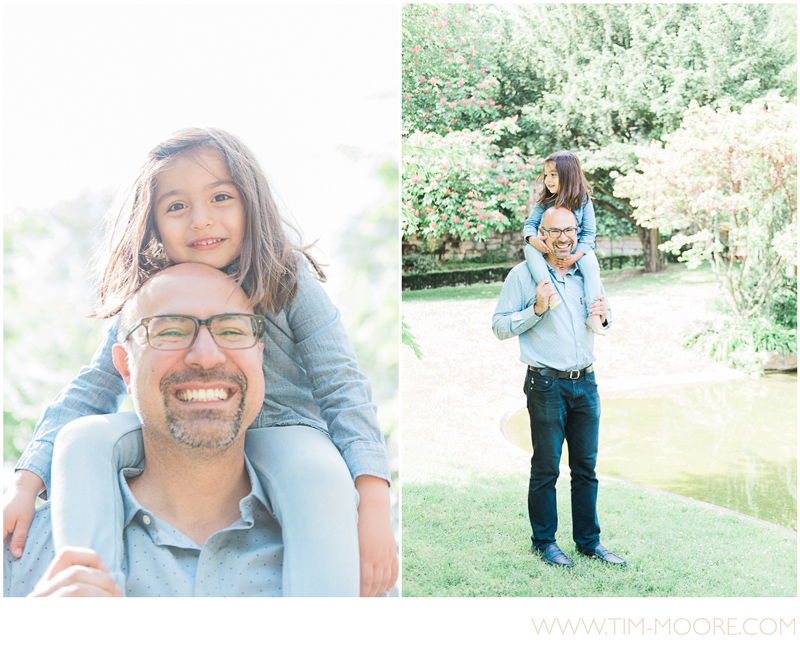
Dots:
(203, 395)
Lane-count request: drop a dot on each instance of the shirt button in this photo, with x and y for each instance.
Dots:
(146, 520)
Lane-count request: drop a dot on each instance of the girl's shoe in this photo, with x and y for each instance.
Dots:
(594, 324)
(554, 302)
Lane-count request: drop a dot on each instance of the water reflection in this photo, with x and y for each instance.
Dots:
(733, 444)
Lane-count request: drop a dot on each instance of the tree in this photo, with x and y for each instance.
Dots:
(462, 184)
(724, 186)
(601, 79)
(457, 178)
(448, 51)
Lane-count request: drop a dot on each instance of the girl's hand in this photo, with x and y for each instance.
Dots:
(600, 308)
(539, 245)
(376, 543)
(568, 262)
(19, 508)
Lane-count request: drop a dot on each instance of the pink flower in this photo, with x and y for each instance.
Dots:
(456, 219)
(480, 227)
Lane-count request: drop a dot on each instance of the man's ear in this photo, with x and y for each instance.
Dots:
(120, 356)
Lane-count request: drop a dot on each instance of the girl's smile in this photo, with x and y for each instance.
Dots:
(198, 210)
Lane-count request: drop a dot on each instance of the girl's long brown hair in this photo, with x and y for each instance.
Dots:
(269, 264)
(573, 188)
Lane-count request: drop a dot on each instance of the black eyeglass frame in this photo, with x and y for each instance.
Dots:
(559, 231)
(257, 321)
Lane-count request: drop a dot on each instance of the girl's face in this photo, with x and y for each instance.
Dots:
(551, 176)
(198, 210)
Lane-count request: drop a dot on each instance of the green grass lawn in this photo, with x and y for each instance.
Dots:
(465, 524)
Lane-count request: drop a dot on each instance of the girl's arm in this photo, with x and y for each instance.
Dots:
(588, 225)
(342, 392)
(532, 223)
(97, 389)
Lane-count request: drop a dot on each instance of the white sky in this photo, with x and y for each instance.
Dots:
(89, 89)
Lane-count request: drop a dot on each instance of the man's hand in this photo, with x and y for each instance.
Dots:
(538, 243)
(379, 564)
(600, 308)
(76, 572)
(544, 290)
(19, 508)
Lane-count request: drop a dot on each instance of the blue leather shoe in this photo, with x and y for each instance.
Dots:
(553, 555)
(602, 553)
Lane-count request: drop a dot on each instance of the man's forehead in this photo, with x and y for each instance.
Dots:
(193, 294)
(559, 217)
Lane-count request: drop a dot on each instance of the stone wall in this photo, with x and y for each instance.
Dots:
(508, 244)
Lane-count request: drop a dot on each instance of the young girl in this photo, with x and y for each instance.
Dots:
(565, 184)
(201, 196)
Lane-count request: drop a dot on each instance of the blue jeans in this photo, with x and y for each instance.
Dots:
(303, 474)
(563, 409)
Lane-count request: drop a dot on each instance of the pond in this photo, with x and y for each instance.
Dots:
(732, 444)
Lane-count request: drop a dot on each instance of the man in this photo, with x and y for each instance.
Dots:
(563, 403)
(197, 520)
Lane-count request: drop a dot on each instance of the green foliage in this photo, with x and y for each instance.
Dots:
(447, 53)
(410, 340)
(370, 249)
(738, 206)
(782, 304)
(47, 293)
(599, 79)
(463, 184)
(743, 344)
(466, 276)
(420, 263)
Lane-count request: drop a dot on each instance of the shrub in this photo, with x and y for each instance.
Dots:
(743, 344)
(420, 263)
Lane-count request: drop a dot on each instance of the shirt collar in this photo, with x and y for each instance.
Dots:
(247, 505)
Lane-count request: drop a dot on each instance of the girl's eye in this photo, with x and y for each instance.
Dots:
(176, 206)
(222, 197)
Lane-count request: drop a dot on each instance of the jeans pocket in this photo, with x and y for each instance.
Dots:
(541, 384)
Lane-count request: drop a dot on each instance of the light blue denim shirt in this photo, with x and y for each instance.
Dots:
(244, 559)
(558, 338)
(587, 225)
(310, 373)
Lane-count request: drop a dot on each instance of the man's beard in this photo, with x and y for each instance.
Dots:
(194, 432)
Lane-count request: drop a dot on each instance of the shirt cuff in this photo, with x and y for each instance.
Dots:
(367, 458)
(35, 450)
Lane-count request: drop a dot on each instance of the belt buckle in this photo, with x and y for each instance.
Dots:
(574, 374)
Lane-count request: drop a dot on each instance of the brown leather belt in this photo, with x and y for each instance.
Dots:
(569, 374)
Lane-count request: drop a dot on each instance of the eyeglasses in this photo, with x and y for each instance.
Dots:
(556, 232)
(178, 332)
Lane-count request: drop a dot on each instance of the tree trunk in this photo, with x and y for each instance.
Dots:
(653, 257)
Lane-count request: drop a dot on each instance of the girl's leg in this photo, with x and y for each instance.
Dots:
(315, 501)
(538, 268)
(86, 501)
(590, 269)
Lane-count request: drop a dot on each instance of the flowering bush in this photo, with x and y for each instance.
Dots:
(458, 176)
(724, 185)
(462, 184)
(447, 54)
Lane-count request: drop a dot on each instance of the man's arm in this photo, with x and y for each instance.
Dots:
(514, 315)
